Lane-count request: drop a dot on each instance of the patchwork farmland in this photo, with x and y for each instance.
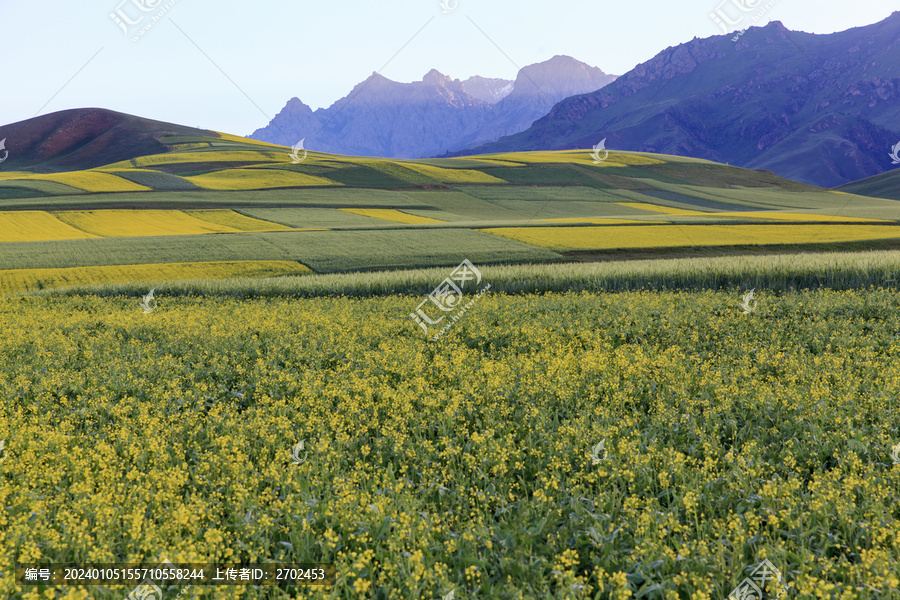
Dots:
(215, 199)
(619, 417)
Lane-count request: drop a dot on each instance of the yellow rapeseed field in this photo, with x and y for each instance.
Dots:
(24, 280)
(491, 161)
(572, 446)
(133, 223)
(666, 210)
(748, 214)
(659, 236)
(452, 175)
(257, 179)
(14, 174)
(205, 156)
(390, 214)
(236, 220)
(583, 157)
(36, 226)
(788, 216)
(90, 181)
(243, 140)
(397, 170)
(595, 221)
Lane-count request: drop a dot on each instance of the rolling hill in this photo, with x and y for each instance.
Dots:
(230, 206)
(86, 138)
(885, 185)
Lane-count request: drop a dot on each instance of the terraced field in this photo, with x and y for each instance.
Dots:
(232, 199)
(620, 429)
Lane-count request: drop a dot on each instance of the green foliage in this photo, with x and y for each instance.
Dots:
(548, 175)
(34, 189)
(777, 273)
(157, 180)
(365, 177)
(323, 251)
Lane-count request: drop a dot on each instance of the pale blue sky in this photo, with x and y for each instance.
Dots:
(271, 51)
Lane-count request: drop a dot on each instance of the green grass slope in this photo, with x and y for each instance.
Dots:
(885, 185)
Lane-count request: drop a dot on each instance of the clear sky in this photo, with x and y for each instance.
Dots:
(230, 66)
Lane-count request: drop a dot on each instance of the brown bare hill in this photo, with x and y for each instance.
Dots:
(84, 139)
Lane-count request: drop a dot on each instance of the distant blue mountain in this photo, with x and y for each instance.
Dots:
(820, 109)
(381, 117)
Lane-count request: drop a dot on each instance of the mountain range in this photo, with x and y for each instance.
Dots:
(820, 109)
(380, 117)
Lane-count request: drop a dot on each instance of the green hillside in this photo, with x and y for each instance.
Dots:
(884, 185)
